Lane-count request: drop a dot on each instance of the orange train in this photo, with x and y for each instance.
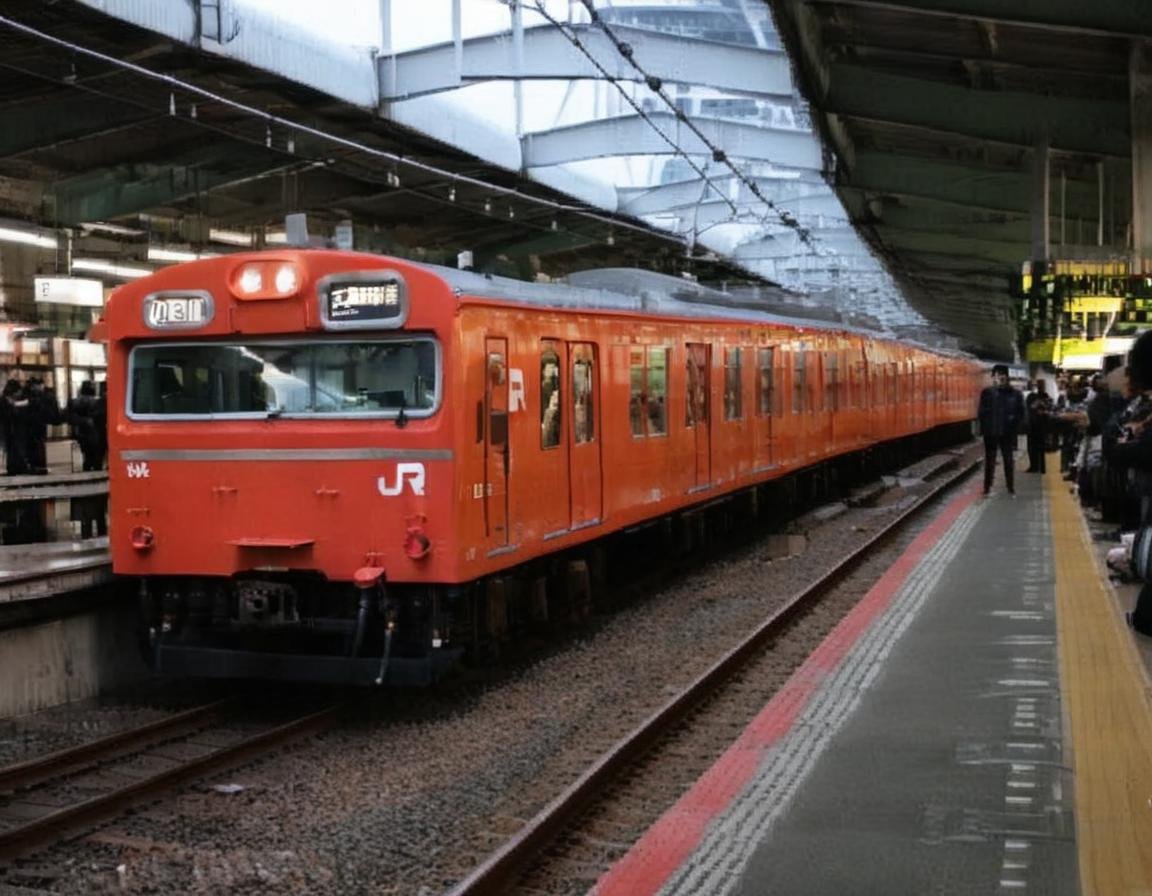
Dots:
(331, 465)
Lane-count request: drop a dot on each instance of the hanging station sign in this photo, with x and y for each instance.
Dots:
(69, 291)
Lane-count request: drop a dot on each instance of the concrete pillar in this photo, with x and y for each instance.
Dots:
(1040, 215)
(1140, 93)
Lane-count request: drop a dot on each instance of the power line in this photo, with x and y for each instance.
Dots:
(655, 84)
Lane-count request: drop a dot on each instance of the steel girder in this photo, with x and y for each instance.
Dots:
(632, 135)
(549, 54)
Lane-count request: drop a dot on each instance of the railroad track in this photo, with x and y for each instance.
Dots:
(55, 797)
(521, 856)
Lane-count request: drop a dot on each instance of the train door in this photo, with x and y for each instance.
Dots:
(496, 454)
(584, 468)
(699, 365)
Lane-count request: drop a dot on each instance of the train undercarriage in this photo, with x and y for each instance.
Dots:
(298, 626)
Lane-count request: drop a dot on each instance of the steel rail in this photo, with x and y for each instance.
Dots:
(59, 825)
(20, 775)
(492, 877)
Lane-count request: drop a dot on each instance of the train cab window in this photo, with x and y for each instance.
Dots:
(648, 395)
(550, 407)
(384, 378)
(764, 380)
(799, 381)
(733, 404)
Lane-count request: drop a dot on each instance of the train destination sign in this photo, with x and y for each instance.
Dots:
(175, 311)
(367, 299)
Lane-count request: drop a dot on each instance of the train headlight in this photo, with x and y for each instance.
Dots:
(143, 538)
(287, 279)
(272, 278)
(251, 279)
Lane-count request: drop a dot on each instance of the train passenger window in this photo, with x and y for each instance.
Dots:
(798, 381)
(657, 382)
(764, 366)
(831, 381)
(733, 406)
(583, 420)
(636, 390)
(648, 397)
(696, 385)
(550, 407)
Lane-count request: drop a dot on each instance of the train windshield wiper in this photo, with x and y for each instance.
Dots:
(275, 412)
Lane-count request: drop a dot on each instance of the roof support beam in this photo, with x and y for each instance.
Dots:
(666, 197)
(129, 189)
(74, 116)
(549, 54)
(632, 135)
(1123, 18)
(879, 174)
(1073, 126)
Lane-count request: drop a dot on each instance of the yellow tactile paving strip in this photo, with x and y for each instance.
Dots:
(1109, 713)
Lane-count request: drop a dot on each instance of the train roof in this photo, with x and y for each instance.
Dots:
(634, 290)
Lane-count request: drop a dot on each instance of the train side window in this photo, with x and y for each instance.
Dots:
(648, 398)
(550, 407)
(831, 381)
(657, 388)
(636, 390)
(733, 406)
(799, 376)
(765, 368)
(583, 424)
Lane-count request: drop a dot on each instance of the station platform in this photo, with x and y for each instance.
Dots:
(980, 723)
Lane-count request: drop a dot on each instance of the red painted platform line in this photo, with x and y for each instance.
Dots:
(669, 842)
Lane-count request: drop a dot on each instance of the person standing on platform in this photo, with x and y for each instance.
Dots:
(14, 420)
(43, 411)
(82, 412)
(1000, 414)
(1039, 407)
(1133, 449)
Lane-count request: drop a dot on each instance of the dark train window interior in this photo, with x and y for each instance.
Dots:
(764, 383)
(294, 378)
(550, 406)
(648, 391)
(583, 379)
(733, 404)
(799, 374)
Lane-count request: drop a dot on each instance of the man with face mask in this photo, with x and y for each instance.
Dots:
(1000, 414)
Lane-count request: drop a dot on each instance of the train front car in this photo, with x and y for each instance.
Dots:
(281, 465)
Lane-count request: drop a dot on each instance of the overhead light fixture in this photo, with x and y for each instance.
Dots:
(104, 227)
(106, 267)
(159, 253)
(27, 238)
(231, 237)
(276, 238)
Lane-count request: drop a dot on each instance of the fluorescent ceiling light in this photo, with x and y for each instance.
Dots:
(231, 237)
(118, 229)
(276, 238)
(159, 253)
(27, 238)
(106, 267)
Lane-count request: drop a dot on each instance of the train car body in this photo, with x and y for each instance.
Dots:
(322, 463)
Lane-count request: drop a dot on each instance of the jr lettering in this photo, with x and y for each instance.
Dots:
(410, 473)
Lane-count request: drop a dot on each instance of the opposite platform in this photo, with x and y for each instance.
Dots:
(979, 724)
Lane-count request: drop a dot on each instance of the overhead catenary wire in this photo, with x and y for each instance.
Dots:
(655, 84)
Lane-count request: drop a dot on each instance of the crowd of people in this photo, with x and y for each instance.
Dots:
(1101, 425)
(27, 409)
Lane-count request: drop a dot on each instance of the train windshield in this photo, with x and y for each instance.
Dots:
(271, 379)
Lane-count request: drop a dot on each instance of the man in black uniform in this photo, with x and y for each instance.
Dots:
(1000, 413)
